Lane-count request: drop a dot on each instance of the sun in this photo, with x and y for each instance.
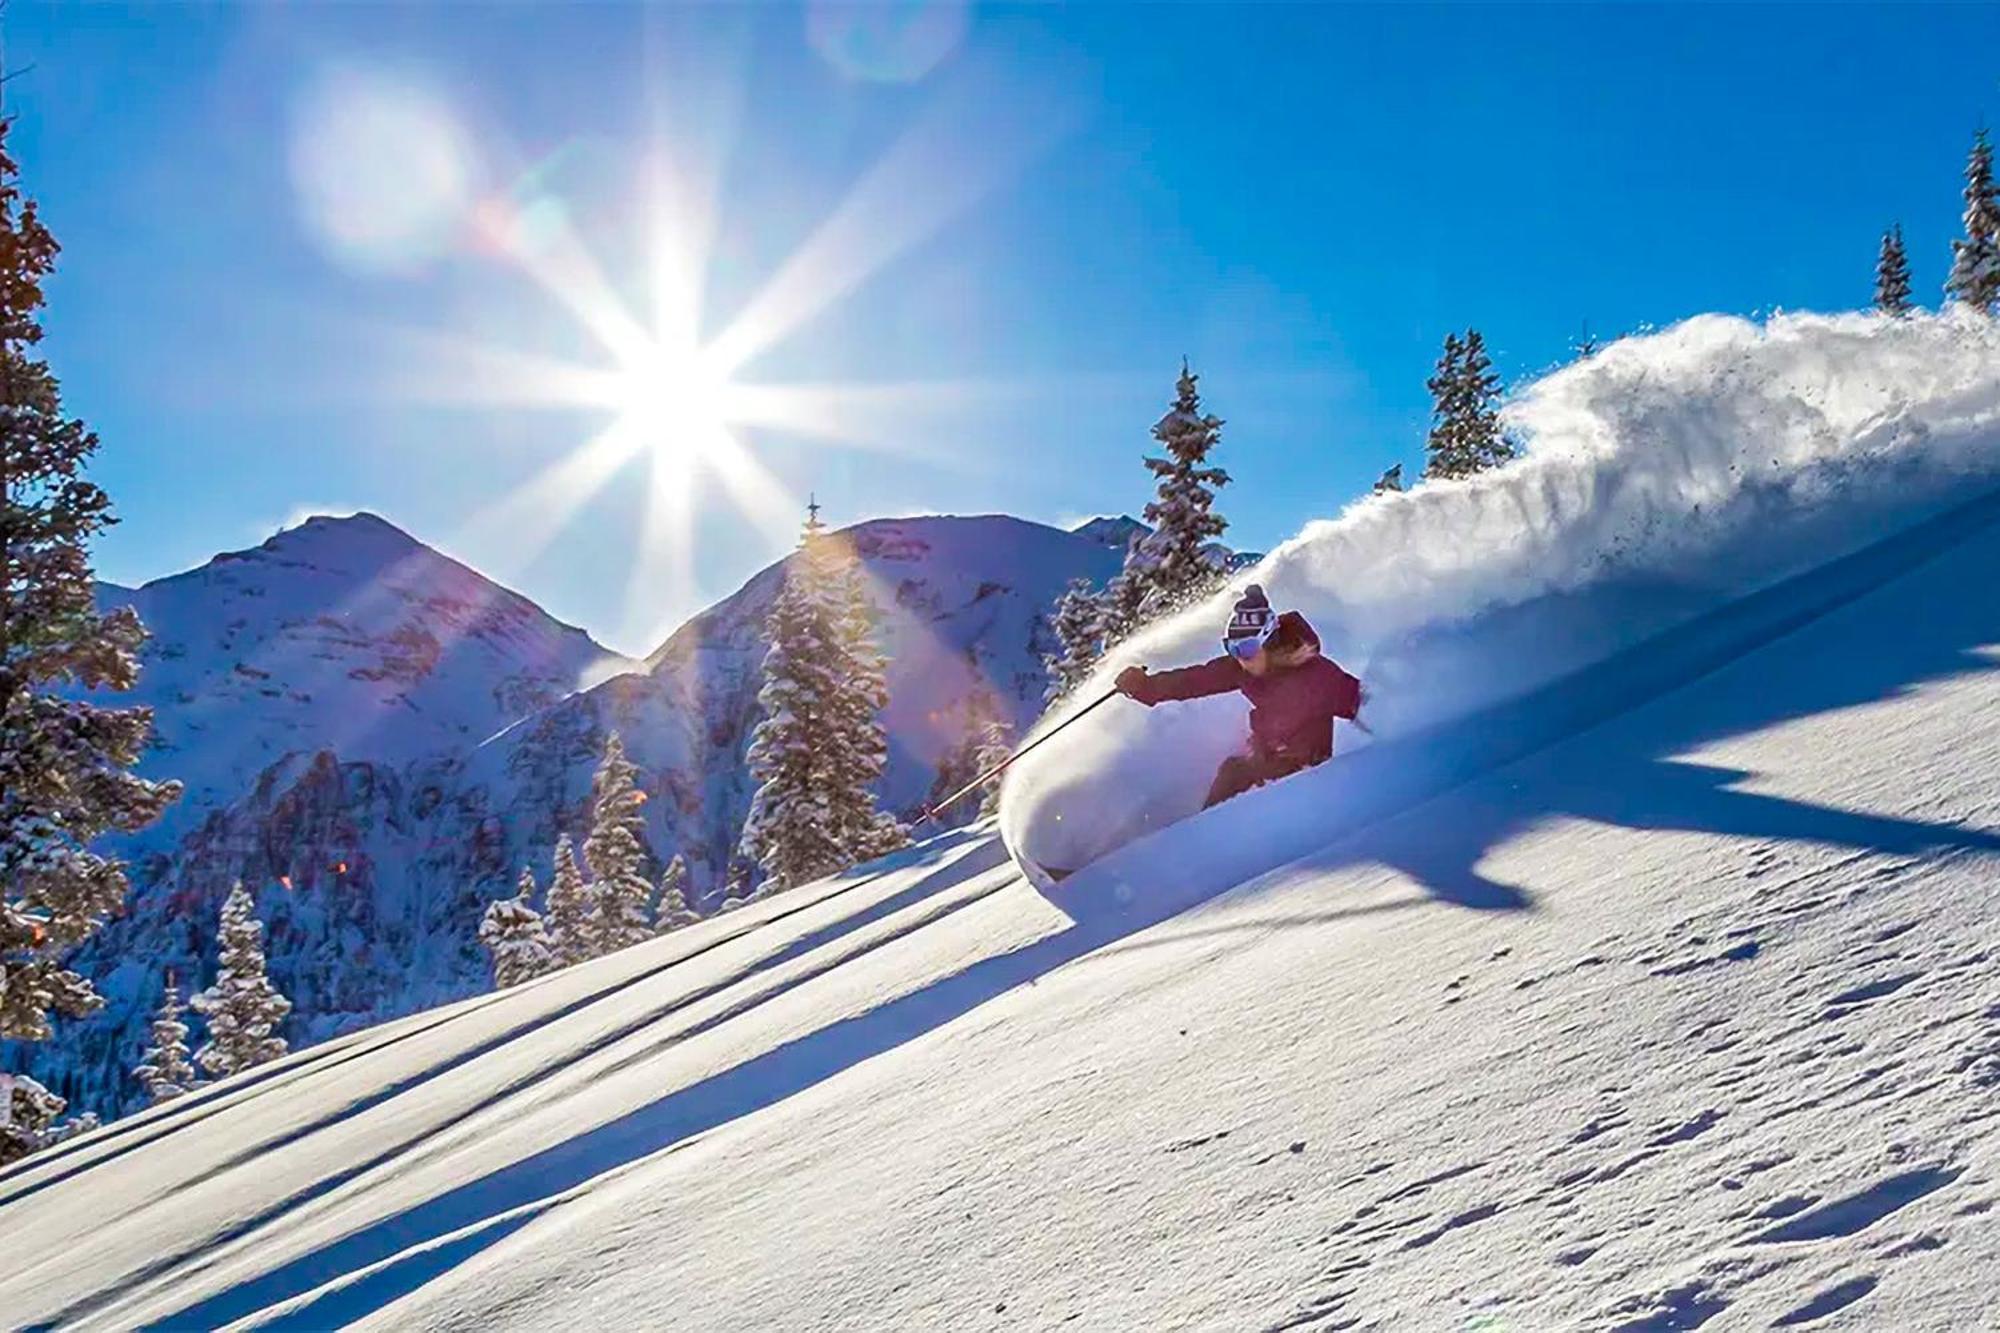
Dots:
(686, 428)
(675, 404)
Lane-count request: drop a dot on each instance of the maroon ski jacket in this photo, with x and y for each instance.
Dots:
(1291, 708)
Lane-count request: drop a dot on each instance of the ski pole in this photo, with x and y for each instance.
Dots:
(931, 811)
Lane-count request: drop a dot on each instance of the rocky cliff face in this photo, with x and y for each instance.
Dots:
(376, 738)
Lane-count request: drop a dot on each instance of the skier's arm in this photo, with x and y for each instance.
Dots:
(1340, 692)
(1217, 676)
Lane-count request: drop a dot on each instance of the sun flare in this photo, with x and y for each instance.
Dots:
(683, 423)
(674, 404)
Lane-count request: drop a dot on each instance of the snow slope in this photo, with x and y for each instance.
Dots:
(1664, 475)
(1661, 995)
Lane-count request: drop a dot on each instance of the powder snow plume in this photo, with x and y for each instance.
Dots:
(1666, 475)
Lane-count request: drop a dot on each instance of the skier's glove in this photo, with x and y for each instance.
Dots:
(1360, 702)
(1131, 683)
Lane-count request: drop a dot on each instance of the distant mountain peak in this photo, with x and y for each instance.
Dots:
(361, 520)
(360, 531)
(1106, 530)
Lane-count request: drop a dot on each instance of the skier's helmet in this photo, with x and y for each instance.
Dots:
(1251, 622)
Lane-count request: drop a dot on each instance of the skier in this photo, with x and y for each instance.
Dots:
(1294, 693)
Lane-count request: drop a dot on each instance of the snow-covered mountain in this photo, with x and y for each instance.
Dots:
(376, 738)
(1119, 533)
(341, 634)
(1116, 532)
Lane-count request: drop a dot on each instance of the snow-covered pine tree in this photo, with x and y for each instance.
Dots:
(243, 1008)
(981, 746)
(865, 829)
(957, 766)
(70, 1128)
(28, 1124)
(568, 917)
(790, 830)
(1465, 433)
(621, 895)
(1390, 481)
(1078, 626)
(1892, 274)
(1121, 608)
(64, 762)
(165, 1072)
(736, 891)
(1975, 259)
(1177, 568)
(996, 743)
(672, 911)
(820, 747)
(514, 936)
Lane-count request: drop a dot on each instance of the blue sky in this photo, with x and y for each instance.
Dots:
(298, 239)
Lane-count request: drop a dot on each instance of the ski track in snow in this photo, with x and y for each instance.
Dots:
(1659, 998)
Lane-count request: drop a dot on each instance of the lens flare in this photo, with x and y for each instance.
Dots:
(383, 169)
(892, 41)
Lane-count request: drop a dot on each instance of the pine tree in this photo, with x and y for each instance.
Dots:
(982, 745)
(1390, 482)
(790, 829)
(737, 891)
(1892, 274)
(514, 936)
(1177, 567)
(1975, 260)
(820, 747)
(568, 918)
(64, 762)
(672, 911)
(1465, 433)
(1078, 626)
(165, 1072)
(243, 1008)
(70, 1128)
(620, 893)
(856, 762)
(1121, 611)
(996, 746)
(28, 1122)
(1586, 343)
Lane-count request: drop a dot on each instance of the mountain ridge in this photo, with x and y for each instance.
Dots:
(376, 738)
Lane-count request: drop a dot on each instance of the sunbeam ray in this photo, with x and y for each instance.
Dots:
(523, 522)
(924, 181)
(761, 497)
(555, 258)
(444, 371)
(665, 552)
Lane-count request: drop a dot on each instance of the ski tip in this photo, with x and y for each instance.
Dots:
(1043, 878)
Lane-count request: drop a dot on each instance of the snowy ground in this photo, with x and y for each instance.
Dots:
(1661, 997)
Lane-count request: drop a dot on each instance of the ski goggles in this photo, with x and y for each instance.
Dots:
(1249, 645)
